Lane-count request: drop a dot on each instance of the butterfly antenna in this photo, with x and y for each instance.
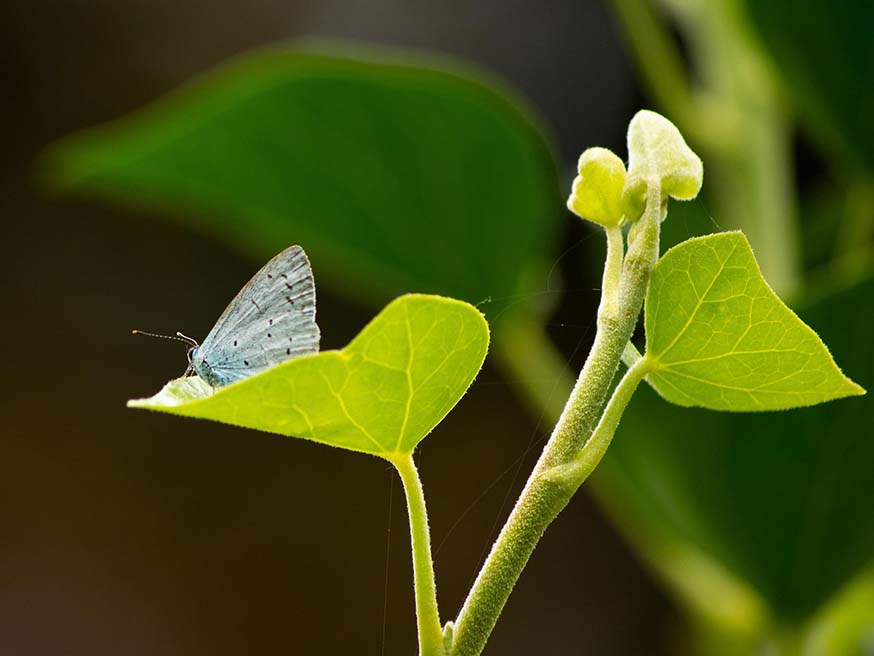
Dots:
(178, 337)
(186, 338)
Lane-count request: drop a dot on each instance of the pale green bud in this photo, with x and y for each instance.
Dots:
(597, 191)
(657, 153)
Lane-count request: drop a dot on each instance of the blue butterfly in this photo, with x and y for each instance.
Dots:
(272, 319)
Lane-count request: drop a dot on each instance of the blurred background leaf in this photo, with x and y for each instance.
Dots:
(396, 177)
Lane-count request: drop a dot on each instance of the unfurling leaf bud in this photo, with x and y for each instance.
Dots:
(597, 191)
(657, 153)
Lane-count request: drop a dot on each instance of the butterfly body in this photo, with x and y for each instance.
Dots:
(271, 320)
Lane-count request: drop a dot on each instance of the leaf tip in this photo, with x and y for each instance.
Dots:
(853, 388)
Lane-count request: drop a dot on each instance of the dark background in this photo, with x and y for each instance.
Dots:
(131, 533)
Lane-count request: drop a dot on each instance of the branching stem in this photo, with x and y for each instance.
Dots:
(545, 495)
(579, 469)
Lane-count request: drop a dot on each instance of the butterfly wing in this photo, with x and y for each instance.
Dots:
(272, 319)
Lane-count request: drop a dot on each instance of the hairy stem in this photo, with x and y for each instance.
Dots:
(541, 376)
(544, 496)
(612, 278)
(579, 469)
(427, 615)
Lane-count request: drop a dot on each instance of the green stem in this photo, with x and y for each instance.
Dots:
(427, 615)
(579, 469)
(544, 496)
(540, 375)
(612, 273)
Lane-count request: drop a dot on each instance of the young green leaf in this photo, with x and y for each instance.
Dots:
(657, 153)
(597, 191)
(380, 395)
(721, 339)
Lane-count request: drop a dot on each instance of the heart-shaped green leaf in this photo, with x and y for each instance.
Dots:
(380, 395)
(721, 339)
(395, 177)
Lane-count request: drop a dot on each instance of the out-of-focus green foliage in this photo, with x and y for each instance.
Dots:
(381, 394)
(825, 52)
(719, 337)
(395, 178)
(782, 500)
(846, 626)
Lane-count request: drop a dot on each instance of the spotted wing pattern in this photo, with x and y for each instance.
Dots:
(271, 320)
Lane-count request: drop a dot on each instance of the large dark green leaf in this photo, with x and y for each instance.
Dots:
(395, 178)
(783, 500)
(825, 52)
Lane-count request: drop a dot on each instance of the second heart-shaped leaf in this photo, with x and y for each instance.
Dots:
(721, 339)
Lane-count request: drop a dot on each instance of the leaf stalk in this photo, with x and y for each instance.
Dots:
(427, 614)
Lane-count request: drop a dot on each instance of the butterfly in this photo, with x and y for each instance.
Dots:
(271, 320)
